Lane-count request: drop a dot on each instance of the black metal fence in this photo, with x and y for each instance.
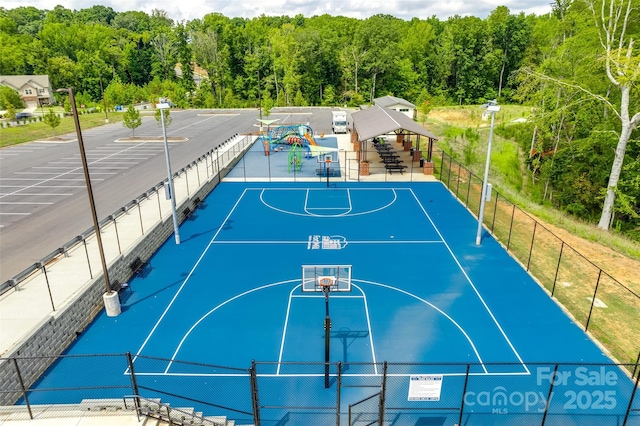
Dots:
(270, 393)
(604, 306)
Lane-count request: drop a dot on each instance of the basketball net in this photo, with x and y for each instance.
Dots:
(326, 282)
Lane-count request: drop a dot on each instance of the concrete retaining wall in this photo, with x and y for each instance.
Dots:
(31, 357)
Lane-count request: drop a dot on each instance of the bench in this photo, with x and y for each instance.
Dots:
(137, 265)
(391, 168)
(120, 288)
(391, 161)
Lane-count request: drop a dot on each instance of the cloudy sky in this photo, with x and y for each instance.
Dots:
(361, 9)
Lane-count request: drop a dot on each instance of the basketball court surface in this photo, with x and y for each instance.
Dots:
(392, 269)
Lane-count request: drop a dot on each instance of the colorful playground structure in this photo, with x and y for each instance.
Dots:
(298, 134)
(297, 137)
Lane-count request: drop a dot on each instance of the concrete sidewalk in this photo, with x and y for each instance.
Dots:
(48, 291)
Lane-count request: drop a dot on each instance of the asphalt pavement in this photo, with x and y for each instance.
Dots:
(43, 196)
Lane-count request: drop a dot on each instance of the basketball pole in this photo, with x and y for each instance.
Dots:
(327, 335)
(328, 164)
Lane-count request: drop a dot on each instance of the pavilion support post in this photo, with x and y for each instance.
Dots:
(417, 154)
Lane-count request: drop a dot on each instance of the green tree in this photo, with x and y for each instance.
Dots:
(9, 97)
(131, 119)
(167, 117)
(52, 119)
(267, 103)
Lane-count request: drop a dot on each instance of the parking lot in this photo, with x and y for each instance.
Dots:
(43, 198)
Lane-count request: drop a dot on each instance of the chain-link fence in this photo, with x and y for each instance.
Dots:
(600, 303)
(272, 393)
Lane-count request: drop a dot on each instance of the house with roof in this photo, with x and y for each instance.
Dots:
(397, 104)
(35, 90)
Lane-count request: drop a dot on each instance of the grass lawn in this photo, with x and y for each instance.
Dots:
(563, 254)
(17, 134)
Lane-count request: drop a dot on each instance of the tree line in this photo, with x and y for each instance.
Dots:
(559, 63)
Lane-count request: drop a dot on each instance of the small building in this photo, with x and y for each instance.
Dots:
(35, 90)
(397, 104)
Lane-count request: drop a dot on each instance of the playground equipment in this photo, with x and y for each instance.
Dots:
(295, 158)
(298, 134)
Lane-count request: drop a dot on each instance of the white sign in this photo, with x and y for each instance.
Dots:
(425, 388)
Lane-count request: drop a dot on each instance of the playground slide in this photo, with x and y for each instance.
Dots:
(310, 139)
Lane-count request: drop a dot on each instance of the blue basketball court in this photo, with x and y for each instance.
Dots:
(411, 293)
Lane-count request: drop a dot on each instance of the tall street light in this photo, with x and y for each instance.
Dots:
(111, 300)
(492, 107)
(162, 106)
(104, 102)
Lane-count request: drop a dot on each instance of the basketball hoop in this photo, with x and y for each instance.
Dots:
(326, 283)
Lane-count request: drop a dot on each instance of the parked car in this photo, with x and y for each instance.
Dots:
(23, 115)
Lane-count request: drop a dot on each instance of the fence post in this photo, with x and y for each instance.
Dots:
(338, 387)
(458, 183)
(593, 300)
(86, 252)
(555, 278)
(495, 210)
(633, 394)
(513, 213)
(466, 201)
(449, 176)
(42, 266)
(186, 178)
(218, 164)
(533, 238)
(24, 390)
(115, 225)
(254, 393)
(140, 216)
(269, 166)
(464, 393)
(244, 168)
(442, 165)
(134, 382)
(546, 406)
(159, 206)
(635, 367)
(381, 403)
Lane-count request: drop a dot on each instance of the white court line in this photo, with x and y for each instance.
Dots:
(347, 214)
(471, 283)
(195, 266)
(305, 242)
(14, 214)
(363, 296)
(202, 318)
(284, 329)
(454, 322)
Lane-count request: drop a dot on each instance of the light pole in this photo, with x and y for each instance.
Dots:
(162, 106)
(104, 102)
(111, 300)
(492, 107)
